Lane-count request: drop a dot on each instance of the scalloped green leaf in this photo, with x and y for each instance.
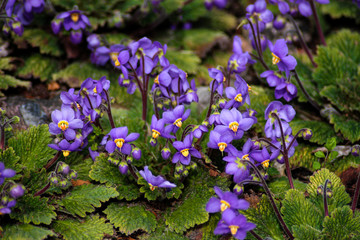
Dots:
(342, 225)
(306, 232)
(321, 130)
(340, 197)
(349, 100)
(93, 227)
(347, 42)
(35, 210)
(349, 128)
(303, 157)
(6, 63)
(74, 74)
(10, 159)
(194, 10)
(281, 185)
(222, 20)
(83, 199)
(209, 227)
(32, 146)
(7, 81)
(47, 42)
(264, 217)
(38, 66)
(25, 231)
(185, 60)
(297, 210)
(130, 218)
(104, 172)
(341, 8)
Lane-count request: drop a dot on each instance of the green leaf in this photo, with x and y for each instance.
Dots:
(130, 218)
(306, 232)
(281, 185)
(185, 60)
(330, 143)
(38, 66)
(6, 63)
(341, 8)
(340, 197)
(33, 209)
(303, 157)
(347, 41)
(48, 43)
(320, 154)
(85, 198)
(264, 217)
(193, 11)
(347, 102)
(342, 224)
(74, 74)
(209, 227)
(35, 180)
(32, 146)
(116, 38)
(10, 160)
(349, 128)
(316, 165)
(298, 211)
(94, 227)
(104, 172)
(25, 231)
(321, 130)
(171, 5)
(221, 20)
(7, 81)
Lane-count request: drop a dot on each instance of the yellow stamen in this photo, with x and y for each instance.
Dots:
(222, 146)
(233, 229)
(224, 79)
(266, 163)
(95, 91)
(238, 97)
(178, 122)
(66, 153)
(119, 142)
(245, 157)
(249, 88)
(74, 17)
(275, 59)
(185, 152)
(114, 58)
(78, 106)
(63, 125)
(152, 188)
(155, 133)
(234, 126)
(156, 79)
(224, 205)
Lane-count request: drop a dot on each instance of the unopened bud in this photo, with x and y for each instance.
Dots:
(165, 153)
(355, 150)
(193, 165)
(63, 183)
(123, 167)
(73, 174)
(63, 168)
(17, 190)
(179, 168)
(238, 189)
(307, 134)
(153, 142)
(320, 190)
(136, 153)
(329, 193)
(15, 119)
(185, 173)
(129, 159)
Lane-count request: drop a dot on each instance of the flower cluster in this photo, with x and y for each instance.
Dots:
(62, 175)
(155, 181)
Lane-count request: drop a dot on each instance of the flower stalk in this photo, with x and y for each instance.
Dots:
(356, 194)
(317, 23)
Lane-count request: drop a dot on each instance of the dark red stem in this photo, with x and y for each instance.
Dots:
(311, 101)
(317, 23)
(2, 141)
(53, 160)
(326, 208)
(109, 110)
(42, 190)
(356, 195)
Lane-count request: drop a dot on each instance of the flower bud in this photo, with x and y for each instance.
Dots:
(165, 153)
(179, 168)
(136, 153)
(238, 189)
(73, 174)
(54, 180)
(257, 145)
(63, 168)
(320, 190)
(56, 25)
(222, 103)
(280, 159)
(15, 119)
(177, 175)
(123, 167)
(355, 150)
(185, 173)
(329, 184)
(307, 134)
(113, 161)
(63, 183)
(329, 193)
(193, 165)
(153, 142)
(4, 200)
(129, 159)
(17, 190)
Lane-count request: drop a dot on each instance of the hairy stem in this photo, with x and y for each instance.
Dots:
(42, 190)
(271, 144)
(2, 136)
(317, 22)
(326, 208)
(311, 101)
(255, 235)
(109, 110)
(53, 160)
(356, 195)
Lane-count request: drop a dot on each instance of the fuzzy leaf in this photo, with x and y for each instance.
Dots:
(25, 231)
(6, 63)
(85, 198)
(209, 227)
(48, 43)
(341, 8)
(221, 20)
(340, 197)
(347, 42)
(38, 66)
(130, 218)
(33, 209)
(7, 81)
(281, 185)
(297, 210)
(10, 160)
(35, 180)
(321, 130)
(193, 11)
(347, 102)
(303, 157)
(32, 146)
(94, 227)
(104, 172)
(349, 128)
(74, 74)
(342, 224)
(306, 232)
(185, 60)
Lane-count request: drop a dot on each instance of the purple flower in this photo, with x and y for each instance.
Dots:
(158, 129)
(64, 122)
(93, 41)
(123, 167)
(93, 154)
(9, 7)
(225, 200)
(136, 153)
(263, 157)
(214, 118)
(279, 23)
(17, 190)
(234, 224)
(283, 6)
(190, 94)
(280, 55)
(175, 118)
(165, 153)
(185, 151)
(355, 150)
(236, 167)
(155, 181)
(199, 130)
(120, 140)
(285, 112)
(286, 90)
(36, 6)
(74, 20)
(238, 96)
(6, 205)
(66, 147)
(258, 10)
(5, 173)
(56, 25)
(217, 3)
(221, 141)
(273, 79)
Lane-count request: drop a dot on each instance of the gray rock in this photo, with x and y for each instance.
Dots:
(32, 113)
(204, 98)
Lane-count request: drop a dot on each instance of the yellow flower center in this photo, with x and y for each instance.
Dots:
(185, 152)
(95, 91)
(152, 188)
(266, 163)
(178, 122)
(238, 98)
(224, 79)
(245, 157)
(114, 58)
(155, 134)
(156, 79)
(224, 205)
(63, 125)
(78, 106)
(75, 17)
(66, 153)
(234, 126)
(119, 142)
(222, 146)
(275, 59)
(233, 229)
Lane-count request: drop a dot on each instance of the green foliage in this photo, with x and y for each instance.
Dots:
(303, 157)
(33, 209)
(209, 227)
(130, 218)
(221, 20)
(185, 60)
(74, 74)
(341, 8)
(104, 172)
(10, 160)
(7, 81)
(281, 185)
(265, 219)
(306, 232)
(342, 225)
(85, 198)
(47, 42)
(6, 63)
(194, 10)
(25, 231)
(349, 128)
(92, 227)
(162, 233)
(340, 197)
(35, 180)
(38, 66)
(32, 146)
